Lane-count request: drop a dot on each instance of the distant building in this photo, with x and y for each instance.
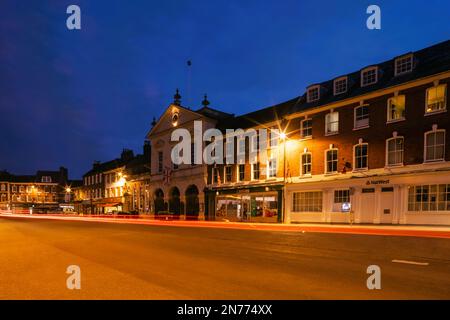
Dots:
(42, 192)
(106, 187)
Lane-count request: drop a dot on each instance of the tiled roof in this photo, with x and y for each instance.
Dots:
(428, 61)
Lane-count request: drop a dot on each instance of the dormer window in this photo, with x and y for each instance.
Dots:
(340, 85)
(369, 76)
(403, 64)
(47, 179)
(313, 94)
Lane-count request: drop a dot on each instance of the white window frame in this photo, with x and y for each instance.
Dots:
(274, 136)
(309, 91)
(363, 125)
(398, 164)
(402, 59)
(271, 169)
(360, 144)
(327, 123)
(303, 128)
(433, 131)
(366, 70)
(444, 102)
(340, 79)
(238, 172)
(302, 164)
(389, 107)
(309, 198)
(253, 171)
(326, 161)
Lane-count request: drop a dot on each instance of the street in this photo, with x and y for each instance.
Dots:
(122, 261)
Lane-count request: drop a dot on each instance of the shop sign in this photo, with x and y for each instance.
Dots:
(375, 182)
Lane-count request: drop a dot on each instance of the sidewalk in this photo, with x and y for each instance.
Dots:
(380, 230)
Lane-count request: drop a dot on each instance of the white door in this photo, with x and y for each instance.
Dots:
(386, 204)
(367, 210)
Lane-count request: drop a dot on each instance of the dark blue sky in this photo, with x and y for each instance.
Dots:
(72, 97)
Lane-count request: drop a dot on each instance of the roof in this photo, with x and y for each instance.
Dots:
(214, 113)
(429, 61)
(56, 176)
(106, 166)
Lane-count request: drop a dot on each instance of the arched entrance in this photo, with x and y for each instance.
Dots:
(159, 201)
(192, 202)
(174, 202)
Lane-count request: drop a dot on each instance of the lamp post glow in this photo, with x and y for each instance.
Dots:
(283, 138)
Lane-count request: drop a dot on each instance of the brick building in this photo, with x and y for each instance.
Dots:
(366, 147)
(43, 192)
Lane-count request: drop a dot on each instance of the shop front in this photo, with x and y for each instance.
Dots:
(246, 204)
(420, 199)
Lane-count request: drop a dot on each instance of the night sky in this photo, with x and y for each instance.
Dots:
(71, 97)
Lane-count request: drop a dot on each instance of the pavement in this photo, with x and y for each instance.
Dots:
(155, 261)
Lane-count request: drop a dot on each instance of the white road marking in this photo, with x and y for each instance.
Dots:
(411, 262)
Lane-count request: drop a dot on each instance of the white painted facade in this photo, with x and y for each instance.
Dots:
(380, 196)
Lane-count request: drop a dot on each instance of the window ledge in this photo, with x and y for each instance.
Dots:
(334, 173)
(393, 166)
(305, 176)
(306, 138)
(327, 134)
(360, 128)
(434, 112)
(434, 161)
(395, 120)
(360, 170)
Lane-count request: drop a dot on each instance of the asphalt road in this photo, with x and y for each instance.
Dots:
(157, 262)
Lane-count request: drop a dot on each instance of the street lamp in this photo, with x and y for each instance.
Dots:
(283, 138)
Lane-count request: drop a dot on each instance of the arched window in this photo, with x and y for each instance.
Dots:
(332, 123)
(361, 156)
(396, 108)
(434, 149)
(394, 151)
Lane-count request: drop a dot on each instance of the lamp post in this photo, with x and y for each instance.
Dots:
(283, 138)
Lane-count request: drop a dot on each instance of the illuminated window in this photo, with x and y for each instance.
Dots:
(403, 64)
(434, 145)
(340, 85)
(394, 151)
(361, 116)
(331, 161)
(310, 201)
(436, 98)
(313, 94)
(332, 123)
(369, 76)
(306, 128)
(396, 108)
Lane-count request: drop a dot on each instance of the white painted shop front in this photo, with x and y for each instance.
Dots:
(403, 198)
